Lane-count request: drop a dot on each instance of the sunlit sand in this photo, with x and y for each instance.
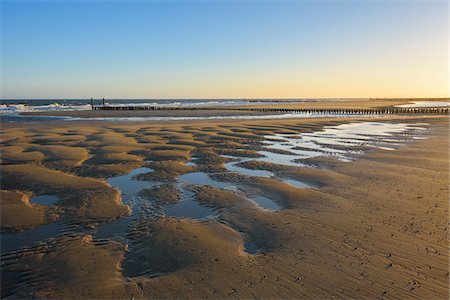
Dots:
(267, 208)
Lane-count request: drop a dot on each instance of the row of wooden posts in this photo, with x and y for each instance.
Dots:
(347, 111)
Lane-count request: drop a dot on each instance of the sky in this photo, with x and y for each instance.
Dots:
(224, 49)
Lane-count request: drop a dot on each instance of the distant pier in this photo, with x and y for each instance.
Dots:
(345, 111)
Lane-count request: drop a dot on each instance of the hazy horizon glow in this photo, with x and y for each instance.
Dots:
(255, 49)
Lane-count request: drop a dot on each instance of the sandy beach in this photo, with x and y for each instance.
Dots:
(224, 150)
(374, 226)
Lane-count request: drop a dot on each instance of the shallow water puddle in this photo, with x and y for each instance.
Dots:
(281, 159)
(340, 142)
(232, 167)
(44, 200)
(128, 185)
(297, 183)
(202, 178)
(192, 162)
(129, 188)
(115, 230)
(336, 141)
(252, 247)
(18, 240)
(265, 203)
(187, 207)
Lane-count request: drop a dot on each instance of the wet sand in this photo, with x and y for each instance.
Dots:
(372, 227)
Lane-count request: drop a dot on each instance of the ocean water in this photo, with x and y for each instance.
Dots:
(10, 110)
(18, 106)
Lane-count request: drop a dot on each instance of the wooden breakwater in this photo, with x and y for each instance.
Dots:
(346, 111)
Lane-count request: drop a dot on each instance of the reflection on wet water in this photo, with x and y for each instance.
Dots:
(265, 202)
(44, 200)
(340, 142)
(188, 207)
(281, 159)
(129, 188)
(192, 162)
(25, 239)
(335, 141)
(128, 185)
(297, 183)
(252, 247)
(202, 178)
(232, 167)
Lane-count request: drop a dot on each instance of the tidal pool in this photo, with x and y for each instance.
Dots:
(187, 207)
(202, 178)
(232, 167)
(129, 188)
(297, 183)
(265, 203)
(128, 185)
(14, 241)
(251, 247)
(336, 141)
(343, 142)
(44, 200)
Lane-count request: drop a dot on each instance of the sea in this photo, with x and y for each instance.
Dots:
(36, 105)
(11, 110)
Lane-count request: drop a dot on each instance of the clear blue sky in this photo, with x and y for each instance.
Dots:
(224, 49)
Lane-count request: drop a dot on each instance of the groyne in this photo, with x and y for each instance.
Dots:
(350, 111)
